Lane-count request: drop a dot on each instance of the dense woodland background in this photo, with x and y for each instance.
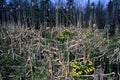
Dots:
(42, 13)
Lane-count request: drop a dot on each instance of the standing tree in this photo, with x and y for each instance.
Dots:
(15, 11)
(26, 13)
(92, 15)
(82, 18)
(119, 15)
(35, 14)
(2, 6)
(116, 12)
(10, 10)
(44, 11)
(79, 15)
(87, 14)
(70, 12)
(111, 21)
(100, 15)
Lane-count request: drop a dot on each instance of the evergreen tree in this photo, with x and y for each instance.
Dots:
(35, 14)
(14, 12)
(116, 13)
(87, 14)
(92, 15)
(44, 11)
(100, 15)
(2, 5)
(4, 12)
(26, 13)
(70, 12)
(111, 21)
(10, 11)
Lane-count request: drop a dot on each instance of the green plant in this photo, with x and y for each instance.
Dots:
(77, 68)
(67, 32)
(63, 36)
(7, 60)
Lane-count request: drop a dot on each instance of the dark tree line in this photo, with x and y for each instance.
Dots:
(36, 13)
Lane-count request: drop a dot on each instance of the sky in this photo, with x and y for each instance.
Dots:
(84, 1)
(79, 1)
(104, 1)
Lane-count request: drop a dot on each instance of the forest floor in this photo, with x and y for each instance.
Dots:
(61, 53)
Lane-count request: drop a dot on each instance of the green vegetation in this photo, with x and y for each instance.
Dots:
(78, 69)
(25, 53)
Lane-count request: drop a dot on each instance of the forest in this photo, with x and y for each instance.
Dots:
(59, 40)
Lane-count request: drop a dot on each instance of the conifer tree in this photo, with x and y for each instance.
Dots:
(100, 15)
(87, 14)
(2, 6)
(70, 12)
(111, 21)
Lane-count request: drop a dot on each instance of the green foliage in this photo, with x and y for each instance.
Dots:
(113, 44)
(88, 33)
(77, 68)
(7, 60)
(67, 32)
(63, 36)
